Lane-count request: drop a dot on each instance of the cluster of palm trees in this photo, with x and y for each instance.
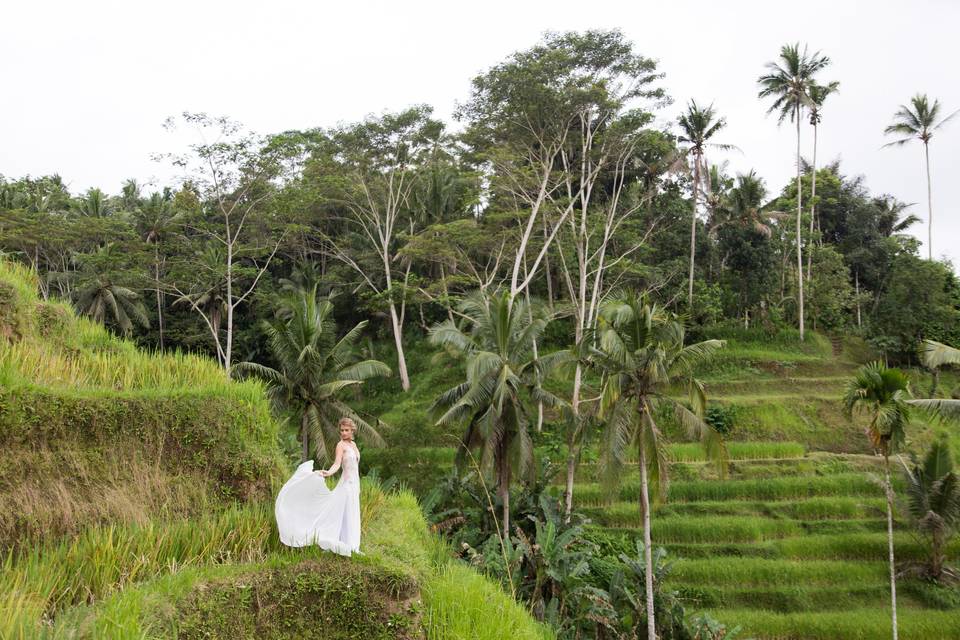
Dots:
(883, 393)
(793, 86)
(636, 353)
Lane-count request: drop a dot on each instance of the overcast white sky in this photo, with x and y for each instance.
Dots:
(86, 85)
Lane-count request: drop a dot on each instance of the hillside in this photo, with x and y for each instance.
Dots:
(791, 542)
(136, 502)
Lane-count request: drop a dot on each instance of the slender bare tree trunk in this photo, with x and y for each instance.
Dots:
(799, 216)
(856, 282)
(893, 572)
(398, 341)
(813, 199)
(926, 153)
(647, 551)
(693, 227)
(228, 349)
(304, 438)
(156, 279)
(572, 443)
(503, 486)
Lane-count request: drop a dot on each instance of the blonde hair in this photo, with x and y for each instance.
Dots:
(347, 422)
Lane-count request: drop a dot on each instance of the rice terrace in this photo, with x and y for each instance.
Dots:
(566, 323)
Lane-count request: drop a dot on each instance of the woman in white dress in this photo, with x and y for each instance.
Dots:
(309, 513)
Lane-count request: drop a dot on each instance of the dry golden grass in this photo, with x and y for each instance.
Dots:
(46, 494)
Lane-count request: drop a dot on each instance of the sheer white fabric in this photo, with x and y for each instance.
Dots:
(309, 513)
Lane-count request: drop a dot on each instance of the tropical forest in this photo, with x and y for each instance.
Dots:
(604, 386)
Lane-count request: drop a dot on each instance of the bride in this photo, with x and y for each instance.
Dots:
(309, 513)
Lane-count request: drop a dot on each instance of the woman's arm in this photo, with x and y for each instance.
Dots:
(336, 462)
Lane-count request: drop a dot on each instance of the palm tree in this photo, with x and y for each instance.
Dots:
(314, 368)
(935, 355)
(818, 95)
(102, 299)
(697, 126)
(882, 393)
(788, 83)
(933, 498)
(640, 355)
(94, 204)
(501, 374)
(919, 120)
(155, 219)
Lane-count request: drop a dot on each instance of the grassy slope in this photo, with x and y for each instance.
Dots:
(790, 539)
(135, 502)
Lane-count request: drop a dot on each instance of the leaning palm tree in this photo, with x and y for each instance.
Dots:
(919, 120)
(640, 356)
(697, 126)
(882, 393)
(502, 374)
(818, 95)
(788, 83)
(314, 369)
(933, 499)
(935, 355)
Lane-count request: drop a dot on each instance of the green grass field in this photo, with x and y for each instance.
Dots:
(136, 503)
(791, 543)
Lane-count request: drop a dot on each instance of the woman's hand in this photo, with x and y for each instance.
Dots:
(323, 473)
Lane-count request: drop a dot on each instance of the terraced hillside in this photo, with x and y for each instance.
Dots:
(136, 502)
(791, 543)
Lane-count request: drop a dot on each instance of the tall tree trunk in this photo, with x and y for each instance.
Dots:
(446, 293)
(572, 451)
(693, 228)
(647, 551)
(398, 341)
(856, 280)
(156, 278)
(926, 153)
(304, 438)
(813, 200)
(888, 489)
(228, 350)
(503, 486)
(799, 216)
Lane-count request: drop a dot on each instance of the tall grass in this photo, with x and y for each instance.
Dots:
(836, 508)
(834, 546)
(853, 624)
(757, 572)
(789, 488)
(463, 605)
(102, 560)
(754, 450)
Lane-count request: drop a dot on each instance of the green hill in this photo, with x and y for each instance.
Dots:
(136, 502)
(791, 543)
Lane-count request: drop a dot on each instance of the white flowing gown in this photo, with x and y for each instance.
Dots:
(309, 513)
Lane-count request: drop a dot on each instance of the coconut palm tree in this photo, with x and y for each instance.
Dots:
(98, 295)
(501, 376)
(315, 367)
(94, 204)
(697, 126)
(155, 219)
(640, 356)
(919, 120)
(788, 83)
(933, 499)
(882, 393)
(818, 95)
(935, 355)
